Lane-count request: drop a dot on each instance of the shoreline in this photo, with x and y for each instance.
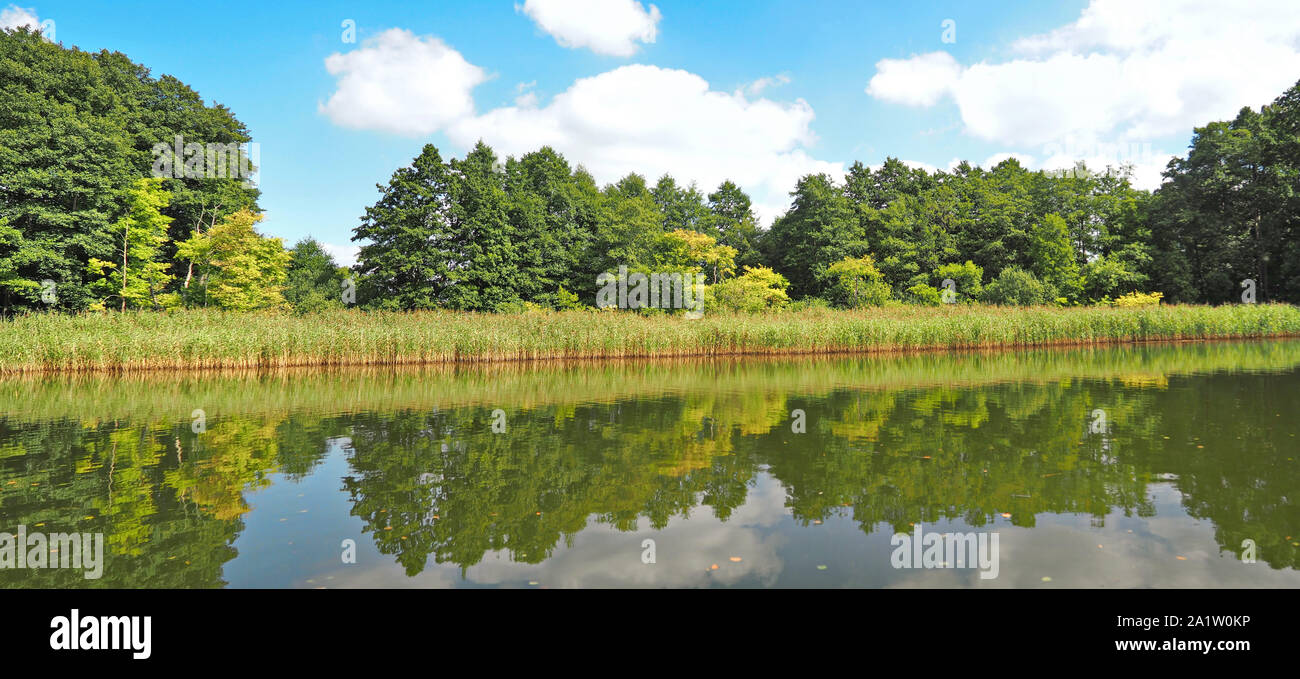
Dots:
(203, 341)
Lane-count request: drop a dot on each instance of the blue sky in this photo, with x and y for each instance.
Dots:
(758, 91)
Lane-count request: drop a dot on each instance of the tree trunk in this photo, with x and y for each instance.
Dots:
(126, 232)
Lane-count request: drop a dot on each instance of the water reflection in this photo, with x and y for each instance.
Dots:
(1146, 466)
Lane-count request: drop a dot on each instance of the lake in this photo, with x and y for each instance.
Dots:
(1160, 465)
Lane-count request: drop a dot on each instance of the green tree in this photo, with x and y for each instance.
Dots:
(757, 289)
(855, 282)
(407, 253)
(313, 281)
(1017, 287)
(967, 280)
(820, 228)
(136, 276)
(240, 269)
(732, 221)
(1052, 258)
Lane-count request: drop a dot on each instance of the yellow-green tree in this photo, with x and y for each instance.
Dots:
(759, 288)
(137, 275)
(855, 282)
(239, 268)
(699, 252)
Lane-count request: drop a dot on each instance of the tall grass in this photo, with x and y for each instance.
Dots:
(219, 340)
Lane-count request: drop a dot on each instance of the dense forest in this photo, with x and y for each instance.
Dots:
(87, 223)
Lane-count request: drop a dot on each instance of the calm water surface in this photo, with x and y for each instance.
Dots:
(1146, 466)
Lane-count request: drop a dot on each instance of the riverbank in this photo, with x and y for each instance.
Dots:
(136, 341)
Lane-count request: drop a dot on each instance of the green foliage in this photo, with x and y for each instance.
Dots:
(855, 282)
(1052, 258)
(684, 250)
(136, 276)
(966, 277)
(924, 295)
(732, 221)
(1227, 212)
(1017, 287)
(76, 133)
(314, 282)
(239, 268)
(820, 228)
(758, 289)
(1109, 277)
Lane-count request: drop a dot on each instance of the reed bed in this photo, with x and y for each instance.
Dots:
(201, 339)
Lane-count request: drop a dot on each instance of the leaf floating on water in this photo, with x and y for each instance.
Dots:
(735, 559)
(388, 527)
(1006, 515)
(1047, 578)
(534, 583)
(817, 522)
(1181, 558)
(1100, 547)
(714, 567)
(821, 567)
(89, 518)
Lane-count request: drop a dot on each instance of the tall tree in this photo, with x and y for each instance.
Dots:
(820, 228)
(137, 275)
(242, 269)
(732, 221)
(407, 257)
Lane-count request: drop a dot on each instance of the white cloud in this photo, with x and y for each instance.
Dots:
(757, 87)
(14, 16)
(402, 83)
(1127, 71)
(919, 81)
(344, 255)
(612, 27)
(653, 120)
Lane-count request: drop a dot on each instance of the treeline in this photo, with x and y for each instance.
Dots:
(86, 223)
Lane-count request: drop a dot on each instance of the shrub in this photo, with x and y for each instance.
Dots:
(924, 295)
(1137, 299)
(855, 282)
(968, 278)
(759, 288)
(1017, 287)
